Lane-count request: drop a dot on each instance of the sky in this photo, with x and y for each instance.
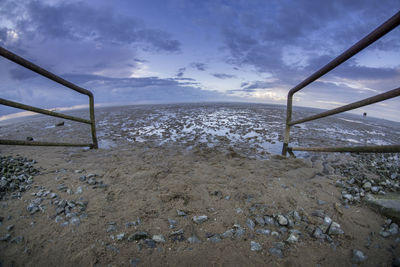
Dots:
(169, 51)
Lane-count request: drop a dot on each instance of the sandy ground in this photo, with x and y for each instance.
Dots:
(152, 183)
(216, 163)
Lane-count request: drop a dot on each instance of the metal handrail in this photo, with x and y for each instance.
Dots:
(29, 65)
(383, 29)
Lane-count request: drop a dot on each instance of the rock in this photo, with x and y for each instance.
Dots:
(335, 229)
(79, 190)
(250, 223)
(194, 240)
(5, 238)
(120, 236)
(239, 210)
(393, 229)
(29, 138)
(254, 246)
(138, 236)
(293, 238)
(112, 248)
(263, 231)
(321, 202)
(60, 124)
(274, 233)
(384, 234)
(215, 238)
(325, 226)
(74, 221)
(276, 252)
(282, 220)
(92, 181)
(158, 238)
(260, 221)
(10, 227)
(228, 234)
(59, 219)
(150, 243)
(388, 205)
(17, 239)
(239, 231)
(375, 189)
(53, 195)
(134, 262)
(228, 197)
(111, 228)
(269, 220)
(367, 186)
(348, 197)
(200, 219)
(181, 213)
(82, 178)
(358, 256)
(318, 233)
(177, 235)
(172, 223)
(318, 213)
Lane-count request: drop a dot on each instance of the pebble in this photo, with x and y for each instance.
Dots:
(239, 210)
(318, 233)
(276, 252)
(250, 223)
(134, 262)
(282, 220)
(193, 240)
(358, 256)
(172, 223)
(10, 227)
(111, 228)
(293, 238)
(120, 236)
(239, 231)
(200, 219)
(254, 246)
(17, 239)
(91, 181)
(263, 231)
(260, 221)
(269, 220)
(74, 221)
(79, 190)
(335, 229)
(177, 235)
(6, 237)
(318, 213)
(112, 248)
(158, 238)
(321, 202)
(228, 234)
(181, 213)
(325, 226)
(150, 243)
(215, 238)
(138, 236)
(82, 178)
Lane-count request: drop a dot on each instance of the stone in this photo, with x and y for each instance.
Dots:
(388, 205)
(321, 202)
(177, 235)
(193, 240)
(60, 124)
(228, 234)
(181, 213)
(79, 190)
(158, 238)
(318, 233)
(82, 178)
(282, 220)
(112, 248)
(53, 195)
(150, 243)
(59, 219)
(134, 262)
(239, 210)
(348, 197)
(260, 221)
(172, 223)
(335, 229)
(254, 246)
(92, 181)
(293, 238)
(111, 228)
(200, 219)
(367, 186)
(5, 238)
(239, 231)
(215, 238)
(138, 236)
(74, 221)
(250, 223)
(263, 231)
(17, 239)
(375, 189)
(276, 252)
(120, 236)
(325, 226)
(29, 138)
(358, 256)
(269, 220)
(318, 213)
(10, 227)
(384, 234)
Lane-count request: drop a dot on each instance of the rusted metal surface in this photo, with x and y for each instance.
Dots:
(365, 102)
(383, 29)
(360, 149)
(42, 111)
(29, 65)
(35, 143)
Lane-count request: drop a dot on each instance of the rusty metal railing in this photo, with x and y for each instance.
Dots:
(383, 29)
(29, 65)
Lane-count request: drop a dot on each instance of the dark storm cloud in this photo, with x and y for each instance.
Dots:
(199, 66)
(223, 75)
(78, 21)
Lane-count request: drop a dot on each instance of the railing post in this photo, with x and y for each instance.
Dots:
(287, 128)
(93, 122)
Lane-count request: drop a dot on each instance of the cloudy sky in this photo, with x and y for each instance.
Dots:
(163, 51)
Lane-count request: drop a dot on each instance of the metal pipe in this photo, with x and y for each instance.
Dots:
(93, 124)
(361, 149)
(361, 103)
(42, 111)
(33, 67)
(287, 127)
(35, 143)
(383, 29)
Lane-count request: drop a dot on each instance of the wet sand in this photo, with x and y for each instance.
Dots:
(229, 182)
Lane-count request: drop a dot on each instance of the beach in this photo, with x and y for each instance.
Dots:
(199, 184)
